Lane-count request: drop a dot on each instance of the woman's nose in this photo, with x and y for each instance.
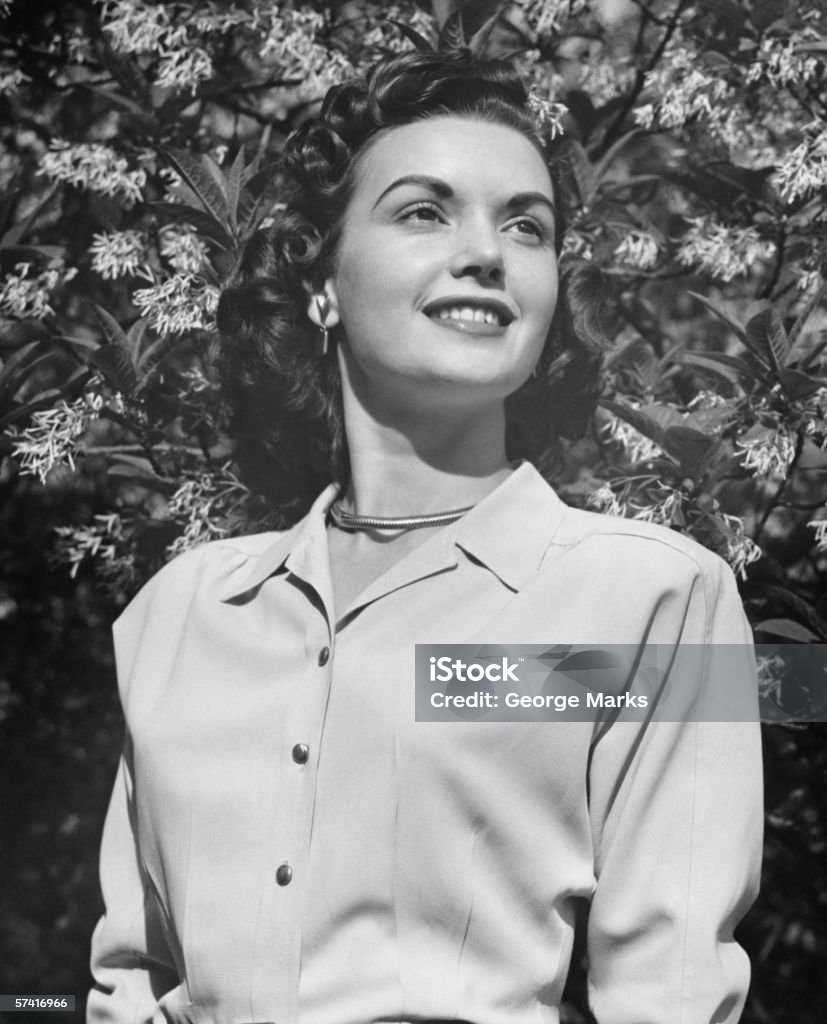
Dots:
(478, 253)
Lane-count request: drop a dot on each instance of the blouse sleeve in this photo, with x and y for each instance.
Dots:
(131, 962)
(677, 819)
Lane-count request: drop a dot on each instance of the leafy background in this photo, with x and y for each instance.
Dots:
(138, 153)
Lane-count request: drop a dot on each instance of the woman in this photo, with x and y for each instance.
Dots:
(285, 841)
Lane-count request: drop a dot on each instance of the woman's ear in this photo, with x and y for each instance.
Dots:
(322, 307)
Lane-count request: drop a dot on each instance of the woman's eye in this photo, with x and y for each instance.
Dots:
(529, 227)
(422, 212)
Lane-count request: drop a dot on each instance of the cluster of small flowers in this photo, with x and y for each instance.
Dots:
(193, 503)
(93, 166)
(638, 249)
(101, 539)
(184, 68)
(117, 253)
(770, 672)
(548, 114)
(26, 294)
(178, 304)
(809, 279)
(51, 440)
(781, 62)
(706, 400)
(682, 91)
(768, 457)
(181, 246)
(741, 550)
(548, 16)
(136, 27)
(637, 446)
(606, 78)
(605, 500)
(820, 527)
(289, 41)
(387, 38)
(10, 81)
(663, 511)
(577, 244)
(804, 169)
(721, 250)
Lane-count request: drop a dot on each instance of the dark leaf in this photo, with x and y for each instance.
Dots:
(634, 417)
(419, 41)
(45, 400)
(692, 449)
(154, 354)
(745, 369)
(127, 75)
(234, 179)
(201, 181)
(766, 337)
(20, 365)
(112, 330)
(796, 604)
(722, 314)
(812, 304)
(799, 385)
(20, 230)
(204, 223)
(788, 628)
(116, 366)
(452, 34)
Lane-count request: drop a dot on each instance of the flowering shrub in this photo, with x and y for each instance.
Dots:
(139, 155)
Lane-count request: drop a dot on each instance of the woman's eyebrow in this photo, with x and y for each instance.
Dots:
(443, 190)
(436, 185)
(523, 199)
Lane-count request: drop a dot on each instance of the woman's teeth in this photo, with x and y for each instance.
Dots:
(486, 316)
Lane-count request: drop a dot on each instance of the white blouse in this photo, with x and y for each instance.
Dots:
(286, 843)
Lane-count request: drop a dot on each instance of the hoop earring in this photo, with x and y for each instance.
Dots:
(323, 306)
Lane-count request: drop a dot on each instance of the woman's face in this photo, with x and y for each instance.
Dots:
(446, 277)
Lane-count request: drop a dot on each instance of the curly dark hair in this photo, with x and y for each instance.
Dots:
(285, 399)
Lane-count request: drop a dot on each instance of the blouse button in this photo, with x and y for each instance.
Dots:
(301, 752)
(284, 874)
(324, 656)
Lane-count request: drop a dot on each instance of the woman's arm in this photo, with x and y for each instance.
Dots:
(677, 822)
(131, 961)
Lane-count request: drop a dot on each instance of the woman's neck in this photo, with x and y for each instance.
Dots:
(414, 464)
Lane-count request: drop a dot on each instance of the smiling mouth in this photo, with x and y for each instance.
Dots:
(486, 317)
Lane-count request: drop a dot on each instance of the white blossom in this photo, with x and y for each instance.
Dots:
(182, 247)
(804, 169)
(781, 62)
(682, 91)
(663, 511)
(116, 253)
(637, 446)
(770, 672)
(10, 81)
(605, 500)
(548, 16)
(720, 249)
(706, 400)
(101, 539)
(52, 438)
(577, 244)
(769, 457)
(604, 79)
(93, 166)
(193, 503)
(26, 293)
(178, 304)
(820, 527)
(548, 114)
(638, 249)
(137, 27)
(184, 68)
(810, 279)
(741, 550)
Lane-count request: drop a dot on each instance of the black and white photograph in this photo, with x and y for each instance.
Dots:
(413, 512)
